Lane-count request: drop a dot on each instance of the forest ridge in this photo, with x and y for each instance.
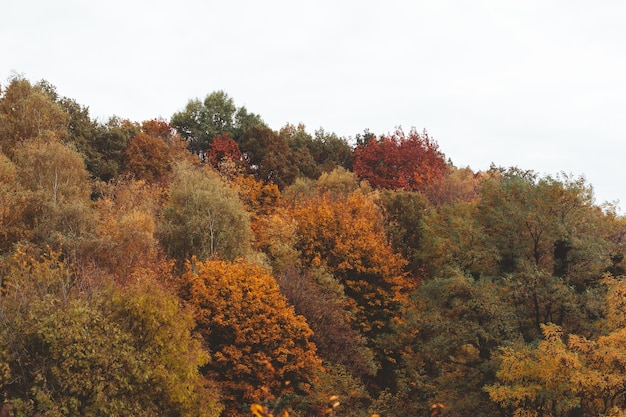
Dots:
(211, 266)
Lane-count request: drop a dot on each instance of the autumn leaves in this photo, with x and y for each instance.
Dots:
(268, 271)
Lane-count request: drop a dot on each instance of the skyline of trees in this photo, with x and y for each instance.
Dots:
(209, 263)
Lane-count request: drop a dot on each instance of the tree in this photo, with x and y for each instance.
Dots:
(567, 374)
(453, 328)
(58, 210)
(398, 161)
(320, 298)
(261, 348)
(203, 217)
(547, 371)
(68, 347)
(224, 153)
(201, 121)
(268, 156)
(13, 201)
(342, 231)
(109, 143)
(125, 239)
(454, 237)
(28, 112)
(404, 213)
(316, 154)
(147, 157)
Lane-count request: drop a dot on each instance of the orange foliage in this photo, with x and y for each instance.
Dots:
(157, 128)
(346, 235)
(147, 157)
(126, 227)
(261, 348)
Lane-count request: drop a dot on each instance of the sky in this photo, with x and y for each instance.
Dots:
(540, 85)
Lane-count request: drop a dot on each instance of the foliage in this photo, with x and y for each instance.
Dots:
(57, 210)
(125, 239)
(318, 153)
(261, 349)
(403, 285)
(398, 161)
(453, 328)
(147, 155)
(202, 217)
(28, 112)
(71, 348)
(13, 201)
(201, 121)
(268, 156)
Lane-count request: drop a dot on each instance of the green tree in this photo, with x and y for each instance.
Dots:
(404, 214)
(201, 121)
(316, 154)
(453, 328)
(203, 217)
(109, 143)
(71, 348)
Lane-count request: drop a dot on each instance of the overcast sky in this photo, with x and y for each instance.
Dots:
(536, 84)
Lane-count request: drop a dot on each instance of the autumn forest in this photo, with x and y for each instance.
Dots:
(208, 265)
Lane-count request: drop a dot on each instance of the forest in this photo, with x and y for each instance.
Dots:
(208, 265)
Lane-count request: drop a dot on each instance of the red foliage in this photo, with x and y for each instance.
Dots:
(398, 161)
(222, 149)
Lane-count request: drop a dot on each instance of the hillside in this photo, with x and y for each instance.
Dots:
(210, 265)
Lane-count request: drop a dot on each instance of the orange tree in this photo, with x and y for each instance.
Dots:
(261, 348)
(340, 228)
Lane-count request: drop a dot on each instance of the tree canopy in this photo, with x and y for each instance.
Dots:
(210, 265)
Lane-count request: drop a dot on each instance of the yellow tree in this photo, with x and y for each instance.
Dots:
(26, 112)
(538, 381)
(125, 238)
(68, 347)
(58, 210)
(567, 374)
(13, 199)
(343, 231)
(261, 348)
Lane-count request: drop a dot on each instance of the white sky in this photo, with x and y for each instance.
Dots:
(535, 84)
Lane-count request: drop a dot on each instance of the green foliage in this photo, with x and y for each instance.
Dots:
(455, 327)
(268, 156)
(71, 348)
(201, 121)
(203, 217)
(404, 222)
(106, 159)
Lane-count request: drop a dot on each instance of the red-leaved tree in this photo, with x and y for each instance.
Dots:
(398, 161)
